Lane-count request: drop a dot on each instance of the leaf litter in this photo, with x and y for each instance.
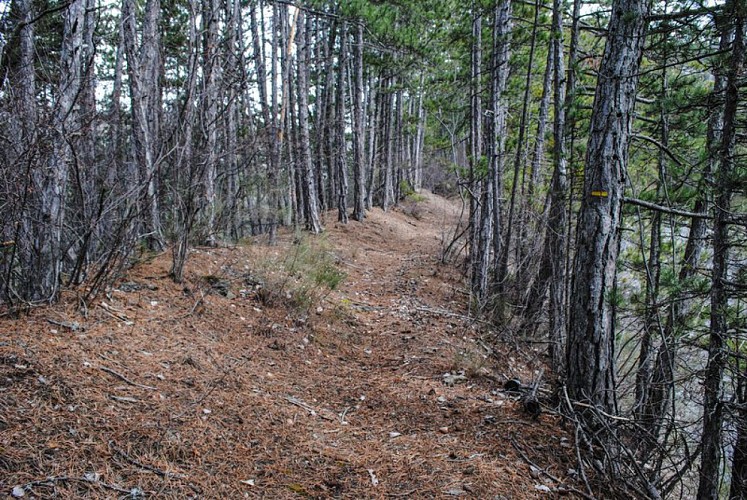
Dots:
(179, 391)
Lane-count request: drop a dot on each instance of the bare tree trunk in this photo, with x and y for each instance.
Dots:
(211, 68)
(497, 153)
(708, 487)
(52, 184)
(520, 157)
(419, 137)
(591, 346)
(144, 63)
(268, 119)
(385, 124)
(373, 103)
(653, 326)
(340, 142)
(476, 141)
(88, 201)
(661, 386)
(185, 181)
(234, 64)
(359, 162)
(552, 272)
(312, 221)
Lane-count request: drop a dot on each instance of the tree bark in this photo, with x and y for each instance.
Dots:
(313, 222)
(341, 150)
(502, 27)
(359, 165)
(144, 68)
(590, 351)
(53, 182)
(708, 486)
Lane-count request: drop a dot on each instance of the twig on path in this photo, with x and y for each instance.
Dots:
(124, 399)
(444, 312)
(543, 471)
(74, 326)
(116, 314)
(126, 380)
(155, 470)
(295, 401)
(50, 481)
(147, 467)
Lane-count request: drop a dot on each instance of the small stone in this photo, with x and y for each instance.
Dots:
(18, 492)
(443, 430)
(534, 472)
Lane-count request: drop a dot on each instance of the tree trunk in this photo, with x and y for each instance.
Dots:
(591, 347)
(313, 222)
(211, 68)
(144, 65)
(708, 486)
(502, 27)
(340, 125)
(185, 195)
(476, 141)
(359, 165)
(520, 157)
(52, 184)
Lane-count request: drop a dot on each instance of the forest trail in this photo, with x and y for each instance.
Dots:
(248, 382)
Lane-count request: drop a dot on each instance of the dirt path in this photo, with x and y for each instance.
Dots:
(204, 390)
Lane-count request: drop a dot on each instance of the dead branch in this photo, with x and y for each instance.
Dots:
(155, 470)
(543, 471)
(125, 379)
(51, 481)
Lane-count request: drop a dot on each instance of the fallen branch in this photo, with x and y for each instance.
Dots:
(50, 481)
(312, 411)
(126, 380)
(154, 470)
(543, 471)
(444, 312)
(114, 313)
(74, 326)
(124, 399)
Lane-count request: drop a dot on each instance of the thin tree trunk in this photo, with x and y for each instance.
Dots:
(497, 153)
(520, 157)
(211, 70)
(185, 194)
(144, 63)
(340, 142)
(52, 184)
(476, 141)
(313, 222)
(359, 165)
(708, 486)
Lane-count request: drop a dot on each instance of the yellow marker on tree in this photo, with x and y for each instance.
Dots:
(599, 194)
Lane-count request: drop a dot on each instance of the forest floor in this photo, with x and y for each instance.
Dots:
(250, 380)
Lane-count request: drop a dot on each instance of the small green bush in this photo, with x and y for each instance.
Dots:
(302, 277)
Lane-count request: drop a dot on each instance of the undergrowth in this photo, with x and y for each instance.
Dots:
(300, 278)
